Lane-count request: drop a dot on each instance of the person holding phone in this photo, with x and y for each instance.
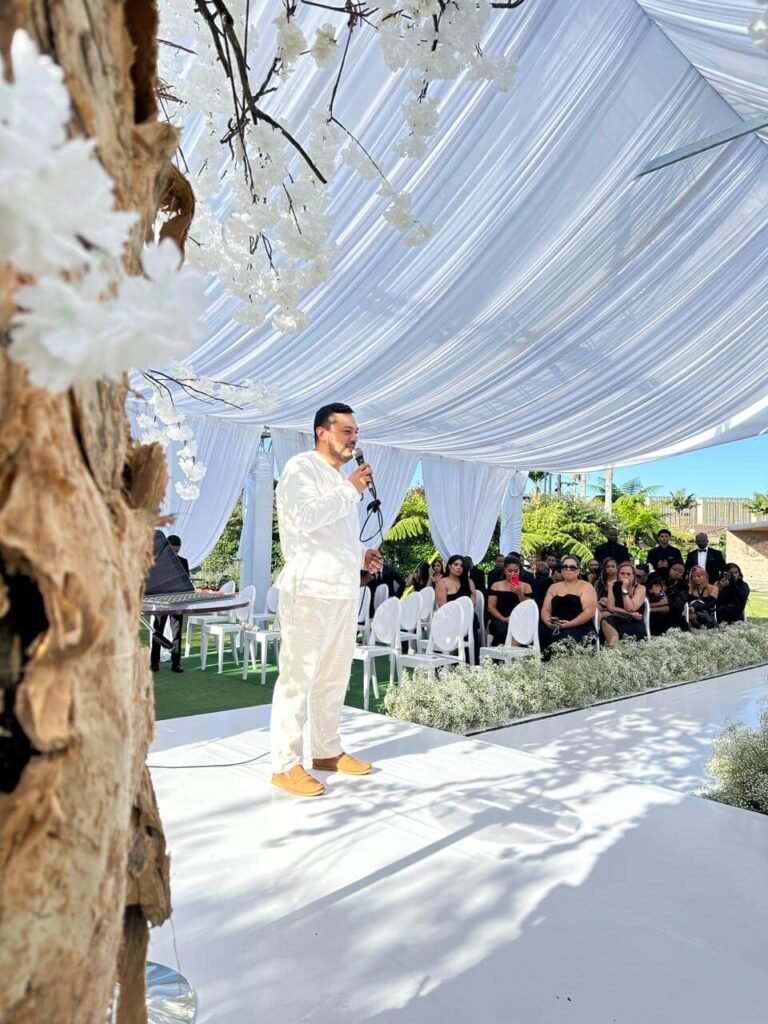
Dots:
(504, 596)
(732, 596)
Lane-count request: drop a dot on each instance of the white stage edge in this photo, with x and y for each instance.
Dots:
(664, 737)
(462, 880)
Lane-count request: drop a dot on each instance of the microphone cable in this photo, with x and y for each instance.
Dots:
(373, 508)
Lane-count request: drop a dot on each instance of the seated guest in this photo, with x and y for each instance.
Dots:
(641, 575)
(569, 607)
(418, 580)
(551, 561)
(609, 573)
(593, 571)
(388, 577)
(525, 575)
(542, 581)
(476, 575)
(612, 548)
(557, 573)
(659, 605)
(733, 595)
(676, 589)
(707, 558)
(626, 599)
(458, 584)
(497, 573)
(663, 555)
(503, 597)
(702, 599)
(436, 571)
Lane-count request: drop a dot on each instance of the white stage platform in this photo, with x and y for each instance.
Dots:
(462, 881)
(664, 738)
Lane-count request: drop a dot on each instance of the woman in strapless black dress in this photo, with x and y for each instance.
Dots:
(626, 600)
(569, 607)
(503, 597)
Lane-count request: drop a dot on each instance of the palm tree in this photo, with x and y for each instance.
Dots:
(633, 487)
(682, 502)
(759, 503)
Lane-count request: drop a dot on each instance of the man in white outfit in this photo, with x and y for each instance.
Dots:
(319, 597)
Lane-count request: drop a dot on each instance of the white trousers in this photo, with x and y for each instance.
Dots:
(316, 647)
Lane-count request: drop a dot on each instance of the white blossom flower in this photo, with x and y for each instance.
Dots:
(291, 41)
(187, 492)
(325, 48)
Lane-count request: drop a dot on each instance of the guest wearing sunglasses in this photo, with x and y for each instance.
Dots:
(569, 606)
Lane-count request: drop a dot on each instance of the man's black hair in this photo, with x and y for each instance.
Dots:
(174, 540)
(664, 530)
(326, 412)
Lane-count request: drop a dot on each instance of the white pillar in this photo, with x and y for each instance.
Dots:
(255, 552)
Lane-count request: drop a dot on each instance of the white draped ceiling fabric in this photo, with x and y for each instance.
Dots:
(565, 315)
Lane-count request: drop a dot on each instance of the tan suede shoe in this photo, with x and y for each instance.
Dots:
(298, 782)
(343, 763)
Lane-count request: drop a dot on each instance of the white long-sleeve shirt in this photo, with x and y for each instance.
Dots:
(319, 530)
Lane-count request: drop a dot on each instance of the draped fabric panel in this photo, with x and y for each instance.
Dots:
(255, 551)
(287, 443)
(227, 448)
(714, 36)
(563, 310)
(463, 500)
(511, 536)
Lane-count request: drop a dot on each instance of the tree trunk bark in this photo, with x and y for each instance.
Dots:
(83, 867)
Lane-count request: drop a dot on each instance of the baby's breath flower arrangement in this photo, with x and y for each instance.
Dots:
(471, 698)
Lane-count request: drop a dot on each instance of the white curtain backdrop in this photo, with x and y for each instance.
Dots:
(255, 551)
(463, 500)
(227, 448)
(287, 443)
(512, 514)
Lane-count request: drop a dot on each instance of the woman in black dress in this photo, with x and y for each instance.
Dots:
(702, 599)
(626, 601)
(733, 596)
(569, 607)
(503, 597)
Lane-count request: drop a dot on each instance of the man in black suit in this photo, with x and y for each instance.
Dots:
(663, 555)
(158, 621)
(612, 548)
(707, 557)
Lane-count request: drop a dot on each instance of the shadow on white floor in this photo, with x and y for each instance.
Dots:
(665, 738)
(461, 881)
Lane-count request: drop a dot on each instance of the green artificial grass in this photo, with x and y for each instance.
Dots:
(195, 692)
(757, 606)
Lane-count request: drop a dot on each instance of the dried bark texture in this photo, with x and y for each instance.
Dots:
(82, 856)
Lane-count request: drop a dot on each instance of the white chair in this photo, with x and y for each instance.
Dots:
(647, 618)
(364, 614)
(480, 614)
(446, 633)
(597, 629)
(427, 596)
(271, 604)
(468, 642)
(200, 620)
(262, 637)
(242, 618)
(385, 628)
(380, 595)
(410, 619)
(524, 629)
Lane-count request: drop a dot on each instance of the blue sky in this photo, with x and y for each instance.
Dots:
(733, 470)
